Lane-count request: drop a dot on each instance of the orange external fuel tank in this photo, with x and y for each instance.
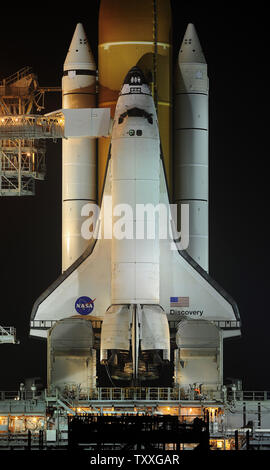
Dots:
(135, 33)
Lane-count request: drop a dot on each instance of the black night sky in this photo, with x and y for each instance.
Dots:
(236, 47)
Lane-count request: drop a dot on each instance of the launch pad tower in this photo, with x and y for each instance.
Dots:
(22, 154)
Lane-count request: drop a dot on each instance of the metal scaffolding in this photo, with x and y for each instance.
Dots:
(7, 335)
(23, 134)
(32, 126)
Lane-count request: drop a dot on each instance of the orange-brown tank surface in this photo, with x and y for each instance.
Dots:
(126, 38)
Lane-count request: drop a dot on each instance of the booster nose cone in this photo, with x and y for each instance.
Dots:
(191, 50)
(79, 56)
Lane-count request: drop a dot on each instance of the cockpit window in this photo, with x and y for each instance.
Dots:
(136, 79)
(135, 76)
(135, 112)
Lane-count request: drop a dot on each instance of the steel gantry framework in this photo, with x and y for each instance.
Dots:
(7, 335)
(22, 133)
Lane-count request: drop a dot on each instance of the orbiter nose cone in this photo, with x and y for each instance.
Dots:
(135, 77)
(79, 56)
(190, 50)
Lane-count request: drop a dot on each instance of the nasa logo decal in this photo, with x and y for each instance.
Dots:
(84, 305)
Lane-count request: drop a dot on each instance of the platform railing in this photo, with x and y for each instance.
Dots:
(7, 330)
(7, 334)
(223, 324)
(47, 324)
(23, 72)
(246, 395)
(161, 394)
(139, 393)
(30, 127)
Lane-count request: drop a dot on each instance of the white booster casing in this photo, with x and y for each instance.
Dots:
(78, 153)
(191, 143)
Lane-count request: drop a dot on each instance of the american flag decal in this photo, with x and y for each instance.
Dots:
(179, 301)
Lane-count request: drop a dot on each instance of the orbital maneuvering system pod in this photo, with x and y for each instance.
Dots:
(137, 276)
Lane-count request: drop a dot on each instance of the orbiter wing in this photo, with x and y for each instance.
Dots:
(185, 288)
(89, 276)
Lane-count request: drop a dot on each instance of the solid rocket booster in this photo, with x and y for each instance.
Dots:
(191, 143)
(79, 154)
(135, 33)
